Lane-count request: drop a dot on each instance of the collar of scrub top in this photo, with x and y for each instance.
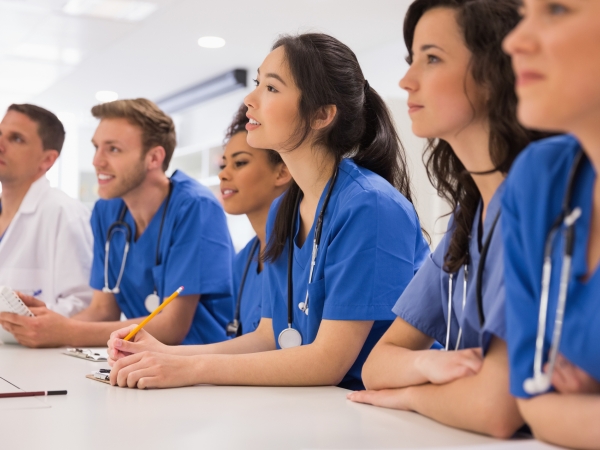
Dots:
(541, 382)
(478, 287)
(290, 337)
(120, 226)
(233, 328)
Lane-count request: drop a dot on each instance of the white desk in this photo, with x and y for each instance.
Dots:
(97, 416)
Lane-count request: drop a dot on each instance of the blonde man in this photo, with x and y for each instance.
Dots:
(152, 234)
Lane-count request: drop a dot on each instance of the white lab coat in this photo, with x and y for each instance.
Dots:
(48, 247)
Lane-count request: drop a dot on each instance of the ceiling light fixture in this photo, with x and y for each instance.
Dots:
(211, 42)
(106, 96)
(204, 91)
(127, 10)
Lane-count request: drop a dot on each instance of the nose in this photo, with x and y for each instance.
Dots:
(224, 173)
(520, 40)
(250, 100)
(98, 160)
(409, 82)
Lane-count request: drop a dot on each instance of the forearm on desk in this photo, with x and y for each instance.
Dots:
(480, 403)
(260, 340)
(393, 361)
(570, 420)
(325, 362)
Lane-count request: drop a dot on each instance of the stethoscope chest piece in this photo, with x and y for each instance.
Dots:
(152, 302)
(289, 338)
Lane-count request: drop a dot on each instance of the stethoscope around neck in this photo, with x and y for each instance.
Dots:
(478, 287)
(290, 337)
(120, 226)
(540, 382)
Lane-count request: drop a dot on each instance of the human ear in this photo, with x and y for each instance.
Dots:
(324, 117)
(50, 157)
(155, 157)
(283, 175)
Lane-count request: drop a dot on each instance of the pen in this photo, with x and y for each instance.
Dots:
(154, 313)
(32, 394)
(36, 293)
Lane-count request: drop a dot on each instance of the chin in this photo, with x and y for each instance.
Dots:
(536, 117)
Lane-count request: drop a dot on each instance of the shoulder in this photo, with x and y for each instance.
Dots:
(544, 161)
(362, 189)
(61, 205)
(242, 255)
(187, 191)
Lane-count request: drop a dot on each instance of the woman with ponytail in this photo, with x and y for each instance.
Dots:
(343, 241)
(461, 97)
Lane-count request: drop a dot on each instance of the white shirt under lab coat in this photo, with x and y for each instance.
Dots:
(47, 250)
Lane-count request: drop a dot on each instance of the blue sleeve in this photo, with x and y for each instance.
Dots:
(97, 273)
(370, 258)
(421, 303)
(521, 300)
(200, 254)
(494, 294)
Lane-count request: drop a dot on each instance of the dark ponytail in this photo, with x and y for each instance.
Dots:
(484, 24)
(327, 73)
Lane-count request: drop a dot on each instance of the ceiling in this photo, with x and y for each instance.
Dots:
(60, 61)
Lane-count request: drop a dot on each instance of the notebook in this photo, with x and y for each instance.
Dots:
(9, 302)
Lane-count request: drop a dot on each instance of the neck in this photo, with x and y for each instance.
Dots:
(472, 147)
(258, 220)
(143, 201)
(12, 196)
(589, 138)
(311, 169)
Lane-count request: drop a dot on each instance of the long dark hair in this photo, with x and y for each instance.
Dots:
(238, 125)
(484, 24)
(327, 73)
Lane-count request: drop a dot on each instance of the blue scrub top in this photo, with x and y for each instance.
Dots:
(250, 304)
(195, 252)
(424, 303)
(532, 202)
(371, 247)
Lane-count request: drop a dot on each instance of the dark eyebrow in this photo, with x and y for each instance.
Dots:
(273, 75)
(240, 152)
(426, 47)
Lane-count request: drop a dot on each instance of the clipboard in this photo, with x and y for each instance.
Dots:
(102, 377)
(94, 355)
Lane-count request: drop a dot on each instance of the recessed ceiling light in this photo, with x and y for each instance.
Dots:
(129, 10)
(106, 96)
(211, 42)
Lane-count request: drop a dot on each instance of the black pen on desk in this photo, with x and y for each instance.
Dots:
(32, 394)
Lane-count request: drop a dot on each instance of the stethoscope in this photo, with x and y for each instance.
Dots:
(541, 382)
(120, 226)
(478, 287)
(290, 337)
(234, 327)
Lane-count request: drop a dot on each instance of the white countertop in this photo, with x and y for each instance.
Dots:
(94, 415)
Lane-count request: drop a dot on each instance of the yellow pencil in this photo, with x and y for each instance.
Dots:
(155, 312)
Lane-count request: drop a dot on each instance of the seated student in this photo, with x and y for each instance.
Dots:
(46, 239)
(460, 97)
(175, 232)
(343, 237)
(251, 179)
(551, 224)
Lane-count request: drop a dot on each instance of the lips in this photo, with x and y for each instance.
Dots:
(227, 193)
(414, 107)
(253, 124)
(527, 77)
(104, 178)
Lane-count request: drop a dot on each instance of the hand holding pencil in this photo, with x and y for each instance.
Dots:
(134, 339)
